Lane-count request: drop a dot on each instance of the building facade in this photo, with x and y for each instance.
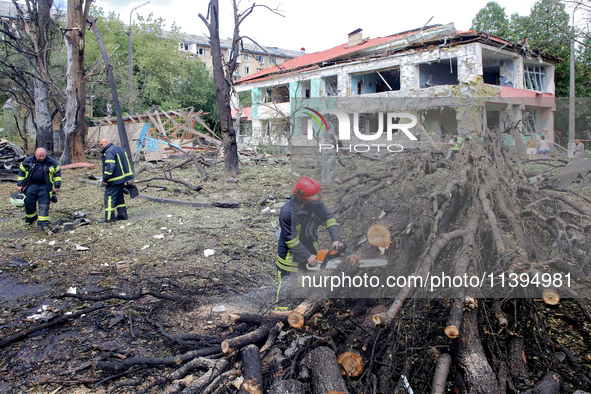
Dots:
(252, 58)
(511, 85)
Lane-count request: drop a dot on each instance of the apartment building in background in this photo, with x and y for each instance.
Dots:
(252, 58)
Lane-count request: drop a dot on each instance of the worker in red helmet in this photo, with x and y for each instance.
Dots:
(299, 220)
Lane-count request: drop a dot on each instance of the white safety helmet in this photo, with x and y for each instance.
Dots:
(17, 199)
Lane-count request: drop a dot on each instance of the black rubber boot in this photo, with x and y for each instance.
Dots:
(122, 213)
(43, 218)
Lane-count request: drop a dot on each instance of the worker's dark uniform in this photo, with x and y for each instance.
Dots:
(299, 234)
(38, 179)
(116, 171)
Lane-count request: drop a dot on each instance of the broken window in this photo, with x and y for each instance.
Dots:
(530, 121)
(277, 94)
(185, 46)
(534, 77)
(201, 51)
(376, 81)
(246, 70)
(497, 68)
(444, 72)
(272, 60)
(260, 59)
(493, 120)
(439, 123)
(330, 85)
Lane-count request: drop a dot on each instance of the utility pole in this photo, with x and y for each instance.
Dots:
(120, 124)
(130, 54)
(571, 96)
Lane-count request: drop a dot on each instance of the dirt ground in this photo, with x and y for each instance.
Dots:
(157, 289)
(161, 248)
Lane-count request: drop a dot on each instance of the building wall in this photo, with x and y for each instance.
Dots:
(434, 71)
(248, 63)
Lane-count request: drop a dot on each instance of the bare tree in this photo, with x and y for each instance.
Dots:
(28, 41)
(223, 72)
(74, 37)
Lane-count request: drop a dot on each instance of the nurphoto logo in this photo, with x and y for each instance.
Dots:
(393, 124)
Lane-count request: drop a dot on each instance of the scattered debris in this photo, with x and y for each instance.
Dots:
(10, 158)
(208, 252)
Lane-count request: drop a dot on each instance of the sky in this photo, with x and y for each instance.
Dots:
(315, 25)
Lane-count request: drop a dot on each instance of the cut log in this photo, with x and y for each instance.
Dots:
(441, 373)
(351, 364)
(252, 370)
(295, 319)
(551, 296)
(454, 321)
(324, 370)
(289, 386)
(469, 354)
(258, 335)
(304, 311)
(379, 235)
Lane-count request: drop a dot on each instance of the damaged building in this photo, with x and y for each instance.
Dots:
(511, 86)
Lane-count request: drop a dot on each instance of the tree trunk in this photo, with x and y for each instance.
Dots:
(44, 137)
(223, 89)
(440, 375)
(75, 127)
(42, 113)
(477, 372)
(252, 371)
(325, 372)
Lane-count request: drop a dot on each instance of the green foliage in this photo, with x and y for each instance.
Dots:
(492, 20)
(162, 76)
(546, 29)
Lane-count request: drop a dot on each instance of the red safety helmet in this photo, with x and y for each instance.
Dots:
(308, 189)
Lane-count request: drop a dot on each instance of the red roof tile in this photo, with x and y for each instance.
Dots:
(310, 59)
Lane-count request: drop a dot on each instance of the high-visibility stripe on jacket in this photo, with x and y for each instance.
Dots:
(51, 171)
(116, 165)
(299, 232)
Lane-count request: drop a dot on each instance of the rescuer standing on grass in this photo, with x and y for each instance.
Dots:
(116, 171)
(299, 220)
(39, 177)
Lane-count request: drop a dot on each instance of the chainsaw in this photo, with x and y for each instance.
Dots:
(324, 256)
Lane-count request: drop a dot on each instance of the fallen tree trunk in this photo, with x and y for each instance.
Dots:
(469, 354)
(441, 372)
(252, 371)
(324, 370)
(258, 335)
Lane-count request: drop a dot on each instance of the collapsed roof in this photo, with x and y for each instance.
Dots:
(440, 35)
